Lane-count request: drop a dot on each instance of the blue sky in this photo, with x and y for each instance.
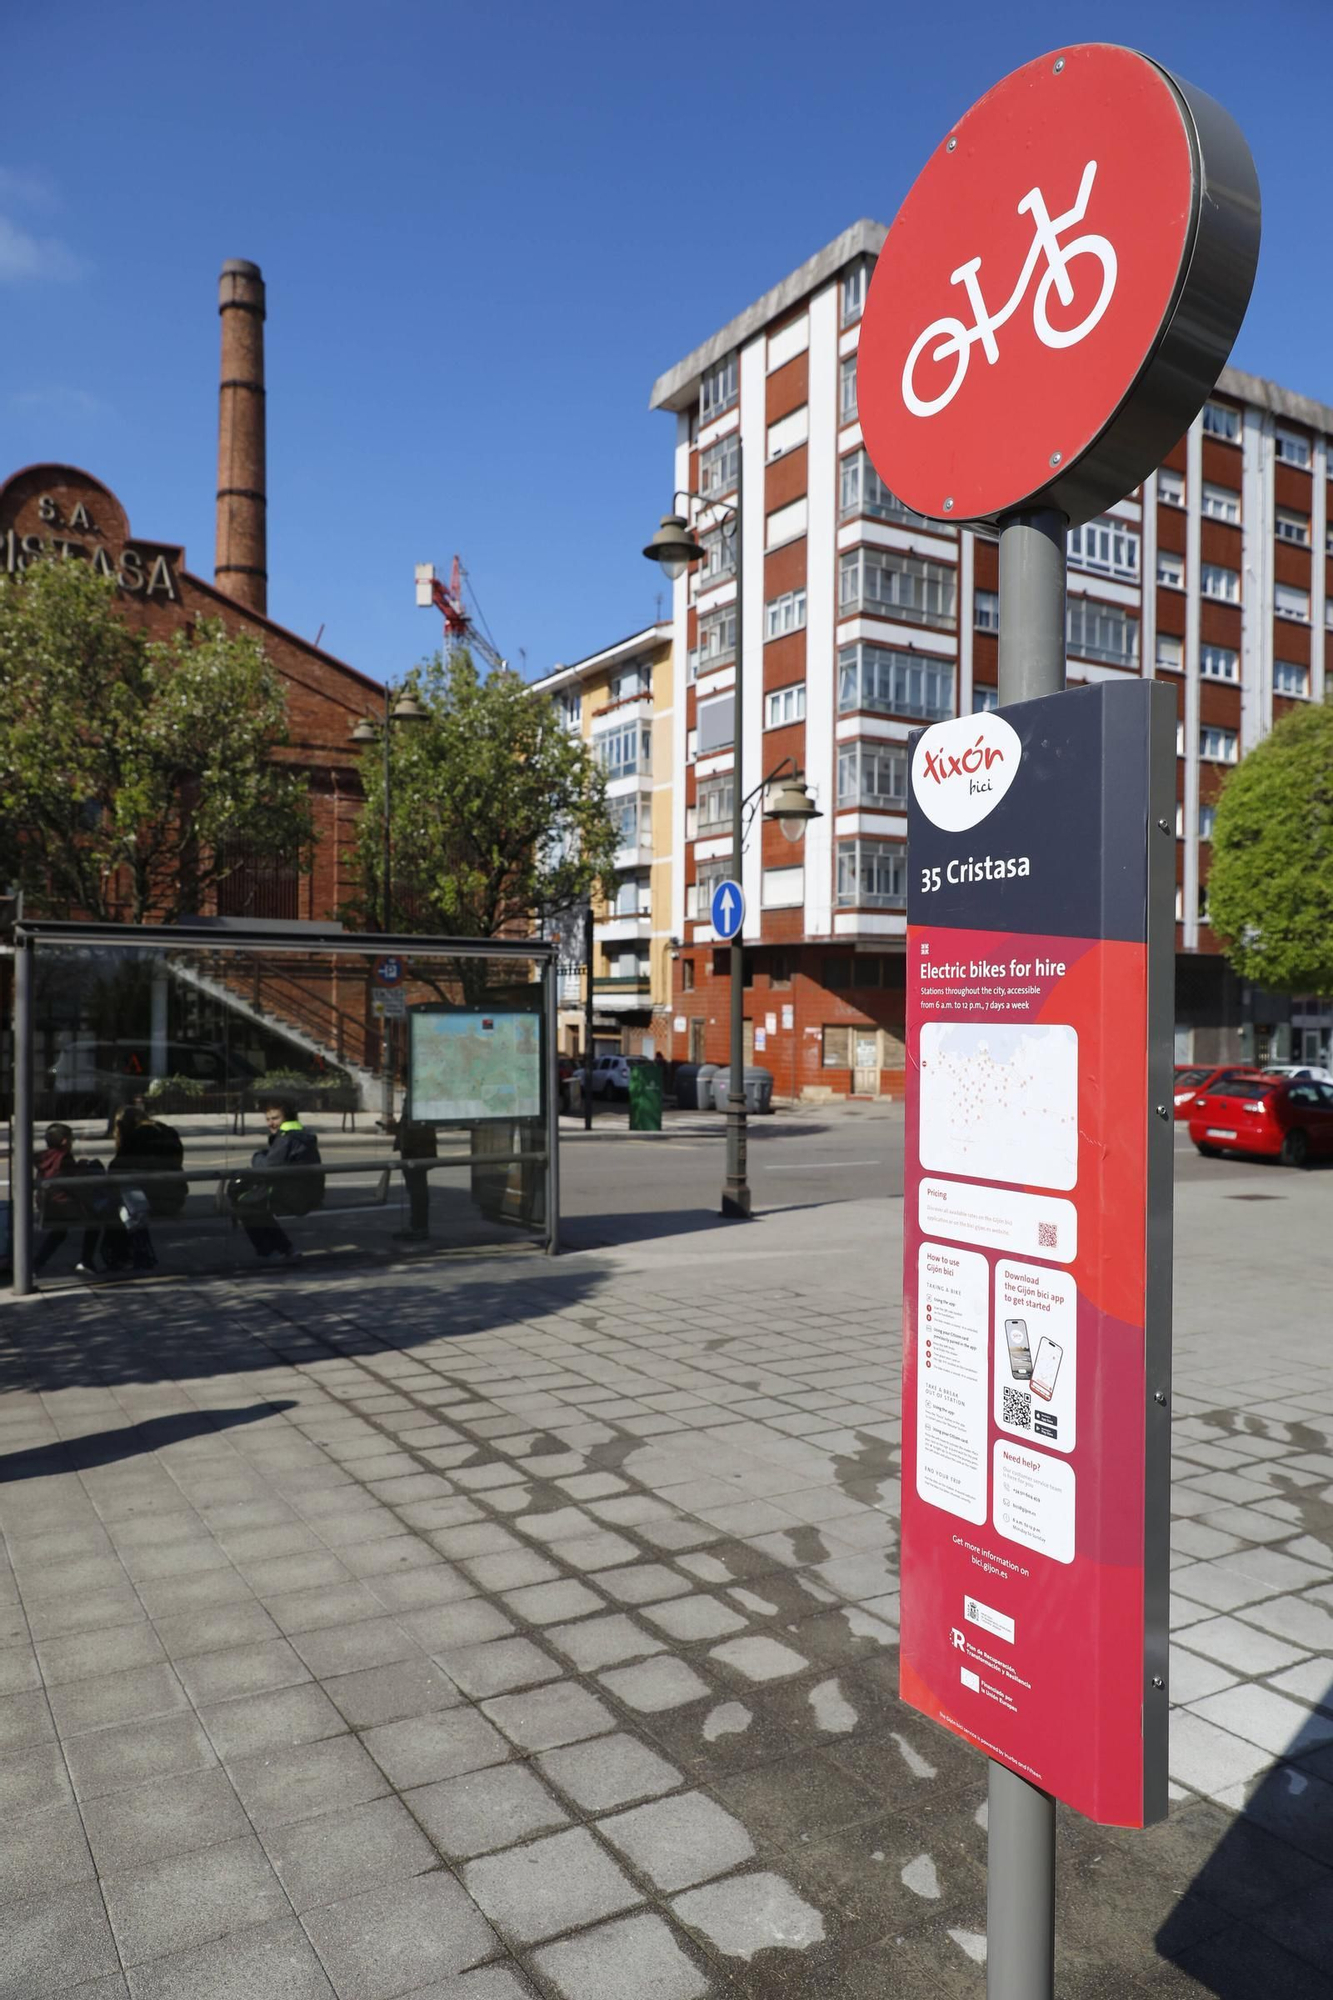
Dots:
(485, 230)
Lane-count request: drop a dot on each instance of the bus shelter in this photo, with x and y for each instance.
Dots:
(221, 1097)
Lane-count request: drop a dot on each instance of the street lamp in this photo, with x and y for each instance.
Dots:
(675, 546)
(407, 709)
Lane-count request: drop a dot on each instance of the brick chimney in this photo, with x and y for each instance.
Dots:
(241, 563)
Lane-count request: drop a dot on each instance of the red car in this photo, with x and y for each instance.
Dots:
(1284, 1118)
(1191, 1080)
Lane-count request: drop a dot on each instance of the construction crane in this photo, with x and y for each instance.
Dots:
(460, 626)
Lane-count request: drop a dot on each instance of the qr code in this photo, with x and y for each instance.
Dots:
(1047, 1235)
(1018, 1409)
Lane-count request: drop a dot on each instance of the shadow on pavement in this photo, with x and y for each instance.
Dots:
(81, 1454)
(611, 1231)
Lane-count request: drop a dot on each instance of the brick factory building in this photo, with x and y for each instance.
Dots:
(59, 510)
(863, 621)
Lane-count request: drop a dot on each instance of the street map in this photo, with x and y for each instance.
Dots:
(1000, 1102)
(475, 1066)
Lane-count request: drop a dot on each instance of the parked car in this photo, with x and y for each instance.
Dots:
(1307, 1072)
(1279, 1117)
(1190, 1080)
(100, 1076)
(610, 1074)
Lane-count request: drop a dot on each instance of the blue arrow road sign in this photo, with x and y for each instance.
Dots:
(728, 909)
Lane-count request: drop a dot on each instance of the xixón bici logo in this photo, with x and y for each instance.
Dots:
(961, 769)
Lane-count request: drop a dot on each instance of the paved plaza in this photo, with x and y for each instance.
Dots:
(504, 1627)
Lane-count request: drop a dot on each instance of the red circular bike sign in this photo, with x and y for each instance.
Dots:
(1063, 281)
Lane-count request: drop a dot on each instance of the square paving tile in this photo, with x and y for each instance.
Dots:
(655, 1685)
(1282, 1727)
(541, 1718)
(313, 1778)
(345, 1853)
(608, 1771)
(746, 1913)
(632, 1957)
(415, 1686)
(695, 1617)
(25, 1721)
(549, 1886)
(499, 1665)
(58, 1940)
(41, 1852)
(467, 1623)
(604, 1642)
(89, 1655)
(396, 1937)
(759, 1658)
(511, 1569)
(679, 1841)
(186, 1899)
(274, 1721)
(643, 1583)
(273, 1961)
(370, 1642)
(422, 1748)
(104, 1760)
(484, 1810)
(167, 1816)
(420, 1587)
(241, 1670)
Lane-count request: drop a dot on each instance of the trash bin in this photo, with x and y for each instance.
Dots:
(701, 1086)
(687, 1096)
(645, 1097)
(758, 1090)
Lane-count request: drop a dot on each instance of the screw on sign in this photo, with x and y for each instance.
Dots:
(1059, 291)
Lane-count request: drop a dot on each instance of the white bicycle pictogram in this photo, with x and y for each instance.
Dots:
(959, 339)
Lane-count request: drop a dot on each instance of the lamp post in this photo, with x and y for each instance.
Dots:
(675, 546)
(409, 710)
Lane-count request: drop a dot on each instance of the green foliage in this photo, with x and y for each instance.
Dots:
(176, 1086)
(133, 773)
(498, 812)
(1270, 887)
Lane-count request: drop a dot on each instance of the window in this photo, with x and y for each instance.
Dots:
(1223, 584)
(1108, 546)
(1207, 815)
(707, 876)
(1105, 632)
(634, 680)
(853, 293)
(1292, 527)
(626, 752)
(782, 888)
(1170, 653)
(986, 610)
(1289, 602)
(836, 974)
(837, 1048)
(890, 585)
(1217, 746)
(1170, 569)
(1171, 487)
(687, 975)
(1289, 677)
(1219, 663)
(569, 707)
(625, 815)
(716, 724)
(872, 874)
(984, 698)
(781, 965)
(892, 683)
(847, 406)
(873, 774)
(633, 897)
(786, 524)
(719, 466)
(788, 432)
(719, 558)
(784, 614)
(715, 798)
(862, 491)
(1221, 421)
(717, 639)
(784, 705)
(1220, 503)
(1291, 447)
(717, 390)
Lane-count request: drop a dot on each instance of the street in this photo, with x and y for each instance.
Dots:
(506, 1626)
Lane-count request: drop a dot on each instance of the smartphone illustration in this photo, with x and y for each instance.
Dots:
(1020, 1354)
(1047, 1366)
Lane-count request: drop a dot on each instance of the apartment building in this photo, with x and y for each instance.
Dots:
(621, 701)
(862, 621)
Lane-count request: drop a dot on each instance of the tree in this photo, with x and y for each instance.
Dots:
(498, 814)
(1270, 887)
(136, 775)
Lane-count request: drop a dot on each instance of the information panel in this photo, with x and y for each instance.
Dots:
(468, 1067)
(1037, 1224)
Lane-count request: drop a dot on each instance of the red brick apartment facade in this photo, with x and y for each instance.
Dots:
(862, 621)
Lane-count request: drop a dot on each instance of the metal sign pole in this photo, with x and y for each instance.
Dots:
(588, 948)
(736, 1187)
(1020, 1818)
(20, 1153)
